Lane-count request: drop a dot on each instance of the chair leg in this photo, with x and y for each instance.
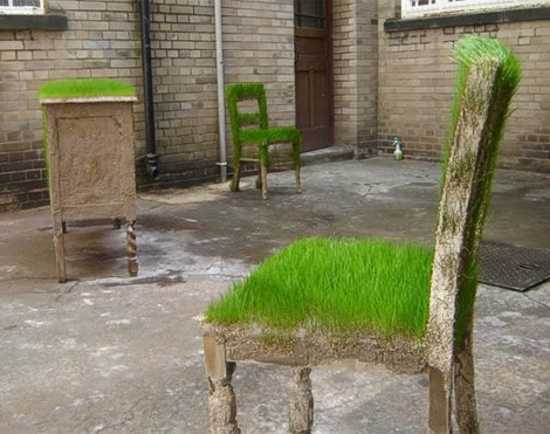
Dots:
(259, 182)
(298, 179)
(296, 151)
(300, 402)
(263, 173)
(131, 248)
(465, 397)
(222, 404)
(59, 246)
(440, 406)
(235, 181)
(117, 224)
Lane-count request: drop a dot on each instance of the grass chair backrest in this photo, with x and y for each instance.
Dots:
(489, 75)
(236, 93)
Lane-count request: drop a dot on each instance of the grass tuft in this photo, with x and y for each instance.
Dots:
(85, 88)
(469, 51)
(339, 285)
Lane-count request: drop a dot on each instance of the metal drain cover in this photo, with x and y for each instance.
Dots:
(511, 267)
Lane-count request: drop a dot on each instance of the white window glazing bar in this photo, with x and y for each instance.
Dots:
(11, 9)
(418, 8)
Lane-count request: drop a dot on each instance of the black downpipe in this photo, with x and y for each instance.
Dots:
(150, 138)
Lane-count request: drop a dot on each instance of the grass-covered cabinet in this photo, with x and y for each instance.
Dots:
(404, 306)
(89, 149)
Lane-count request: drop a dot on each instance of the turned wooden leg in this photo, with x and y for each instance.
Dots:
(131, 246)
(235, 181)
(440, 410)
(465, 396)
(300, 402)
(59, 246)
(222, 404)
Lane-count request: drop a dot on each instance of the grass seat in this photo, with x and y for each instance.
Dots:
(330, 299)
(335, 285)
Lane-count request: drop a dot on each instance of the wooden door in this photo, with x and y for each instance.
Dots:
(314, 97)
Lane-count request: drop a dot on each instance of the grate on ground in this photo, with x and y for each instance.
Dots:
(512, 267)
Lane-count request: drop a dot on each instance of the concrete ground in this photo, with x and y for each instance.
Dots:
(104, 353)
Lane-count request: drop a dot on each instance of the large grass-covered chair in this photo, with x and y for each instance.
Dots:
(252, 128)
(407, 307)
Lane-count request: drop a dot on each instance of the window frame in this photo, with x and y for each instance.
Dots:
(463, 7)
(23, 10)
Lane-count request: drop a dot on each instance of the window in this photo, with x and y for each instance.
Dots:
(310, 13)
(419, 8)
(21, 7)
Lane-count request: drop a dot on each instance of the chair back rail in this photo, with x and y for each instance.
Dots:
(482, 104)
(240, 92)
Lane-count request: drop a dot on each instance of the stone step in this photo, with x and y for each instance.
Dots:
(325, 155)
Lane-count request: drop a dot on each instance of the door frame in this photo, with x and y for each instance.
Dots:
(307, 32)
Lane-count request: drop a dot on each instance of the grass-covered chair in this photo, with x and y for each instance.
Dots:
(252, 128)
(407, 307)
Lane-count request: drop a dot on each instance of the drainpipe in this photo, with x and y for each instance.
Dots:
(148, 102)
(221, 92)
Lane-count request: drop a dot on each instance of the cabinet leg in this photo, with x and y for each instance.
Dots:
(131, 246)
(59, 246)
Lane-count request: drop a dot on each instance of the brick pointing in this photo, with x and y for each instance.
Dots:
(355, 59)
(416, 79)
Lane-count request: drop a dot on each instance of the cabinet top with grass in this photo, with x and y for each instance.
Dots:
(86, 90)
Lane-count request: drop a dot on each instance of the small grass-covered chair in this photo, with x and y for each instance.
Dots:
(408, 307)
(252, 128)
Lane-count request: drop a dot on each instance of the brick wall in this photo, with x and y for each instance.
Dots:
(386, 83)
(355, 59)
(103, 40)
(184, 71)
(367, 70)
(416, 79)
(259, 47)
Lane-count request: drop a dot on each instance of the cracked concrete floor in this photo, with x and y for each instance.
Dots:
(107, 354)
